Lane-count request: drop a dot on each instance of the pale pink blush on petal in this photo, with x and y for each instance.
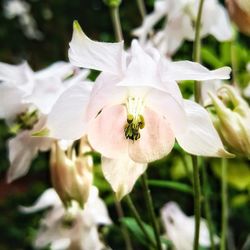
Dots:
(156, 141)
(106, 132)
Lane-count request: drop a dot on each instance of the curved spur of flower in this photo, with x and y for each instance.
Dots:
(64, 229)
(179, 226)
(178, 26)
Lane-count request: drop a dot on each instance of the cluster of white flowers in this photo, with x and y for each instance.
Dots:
(132, 114)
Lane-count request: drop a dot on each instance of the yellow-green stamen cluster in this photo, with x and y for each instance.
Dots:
(135, 120)
(25, 120)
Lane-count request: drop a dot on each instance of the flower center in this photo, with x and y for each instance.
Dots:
(135, 120)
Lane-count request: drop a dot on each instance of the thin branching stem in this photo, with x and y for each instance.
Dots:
(197, 94)
(207, 205)
(149, 202)
(138, 219)
(224, 212)
(114, 11)
(142, 8)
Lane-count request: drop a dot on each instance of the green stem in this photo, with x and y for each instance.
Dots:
(138, 218)
(124, 230)
(197, 201)
(150, 207)
(116, 23)
(224, 204)
(207, 205)
(142, 8)
(197, 48)
(197, 94)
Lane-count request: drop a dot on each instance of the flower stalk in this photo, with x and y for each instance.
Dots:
(138, 218)
(224, 214)
(207, 206)
(197, 94)
(142, 8)
(115, 16)
(149, 202)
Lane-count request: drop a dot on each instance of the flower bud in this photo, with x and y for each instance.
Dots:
(239, 11)
(71, 174)
(113, 3)
(232, 120)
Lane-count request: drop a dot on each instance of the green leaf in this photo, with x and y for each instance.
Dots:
(238, 173)
(172, 185)
(209, 58)
(136, 231)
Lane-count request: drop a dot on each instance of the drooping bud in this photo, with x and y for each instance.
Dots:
(239, 11)
(71, 174)
(232, 120)
(113, 3)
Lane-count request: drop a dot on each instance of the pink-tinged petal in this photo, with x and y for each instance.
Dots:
(106, 132)
(167, 106)
(67, 118)
(105, 93)
(22, 150)
(47, 199)
(122, 174)
(156, 141)
(200, 138)
(84, 52)
(186, 70)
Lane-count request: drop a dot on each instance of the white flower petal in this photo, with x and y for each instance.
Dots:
(97, 208)
(172, 109)
(15, 74)
(221, 28)
(22, 150)
(58, 69)
(105, 93)
(47, 199)
(200, 138)
(150, 20)
(11, 102)
(122, 174)
(179, 226)
(156, 139)
(67, 118)
(83, 52)
(142, 69)
(186, 70)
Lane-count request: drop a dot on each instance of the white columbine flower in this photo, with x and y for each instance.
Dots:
(26, 97)
(136, 109)
(179, 25)
(179, 228)
(73, 228)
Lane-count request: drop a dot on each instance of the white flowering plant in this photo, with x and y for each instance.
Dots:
(135, 135)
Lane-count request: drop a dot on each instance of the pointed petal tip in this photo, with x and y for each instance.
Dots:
(76, 26)
(224, 154)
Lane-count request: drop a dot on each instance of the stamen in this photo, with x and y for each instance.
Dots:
(135, 120)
